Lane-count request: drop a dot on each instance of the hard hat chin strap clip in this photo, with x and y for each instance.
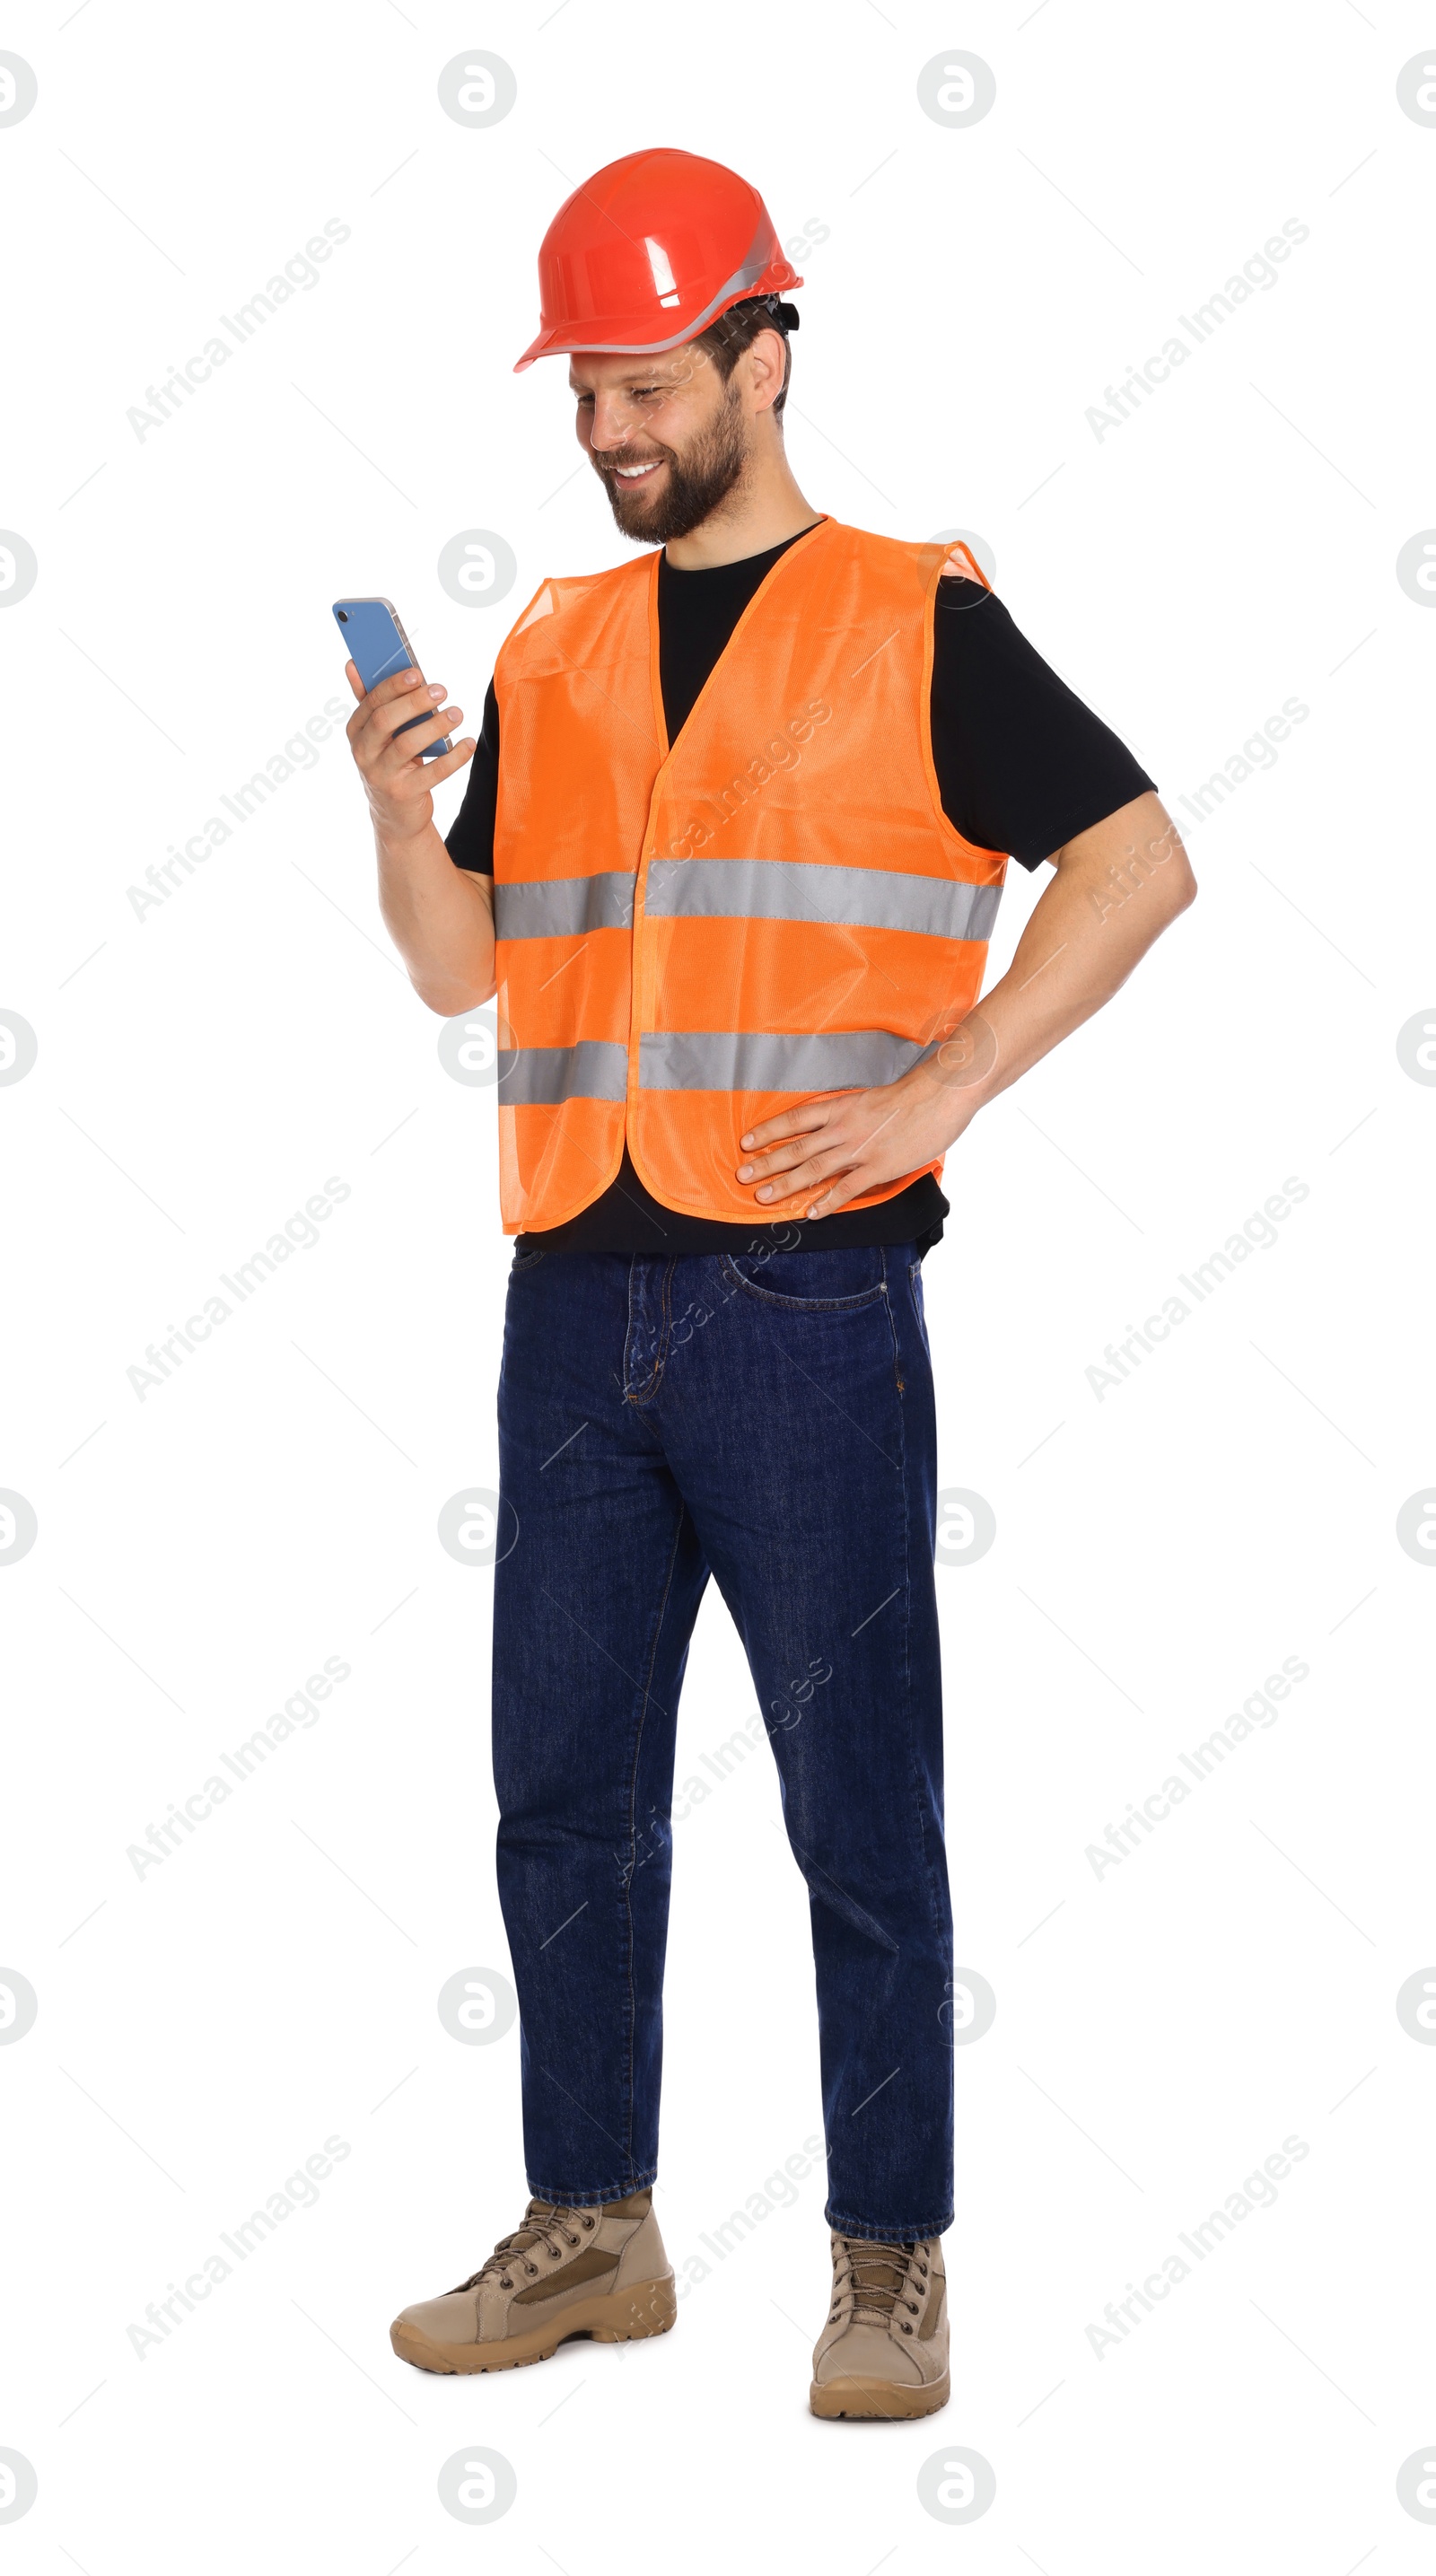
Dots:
(785, 316)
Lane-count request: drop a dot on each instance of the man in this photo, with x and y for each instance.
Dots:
(729, 856)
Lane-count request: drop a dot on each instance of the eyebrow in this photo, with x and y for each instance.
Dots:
(635, 376)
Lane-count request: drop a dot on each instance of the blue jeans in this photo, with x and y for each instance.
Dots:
(766, 1417)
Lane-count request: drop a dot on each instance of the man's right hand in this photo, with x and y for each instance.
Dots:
(440, 917)
(397, 779)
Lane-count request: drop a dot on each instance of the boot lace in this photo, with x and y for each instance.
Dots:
(877, 2281)
(544, 2222)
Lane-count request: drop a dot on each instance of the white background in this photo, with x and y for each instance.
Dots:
(204, 1068)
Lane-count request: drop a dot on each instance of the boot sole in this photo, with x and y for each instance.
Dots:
(623, 2316)
(868, 2400)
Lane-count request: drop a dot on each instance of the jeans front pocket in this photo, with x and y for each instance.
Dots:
(810, 1283)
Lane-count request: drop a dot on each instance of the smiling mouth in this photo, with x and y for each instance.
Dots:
(637, 473)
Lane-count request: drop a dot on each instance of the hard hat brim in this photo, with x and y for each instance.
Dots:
(561, 339)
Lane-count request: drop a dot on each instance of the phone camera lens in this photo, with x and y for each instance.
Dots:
(343, 616)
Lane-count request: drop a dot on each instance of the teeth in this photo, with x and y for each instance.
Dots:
(630, 471)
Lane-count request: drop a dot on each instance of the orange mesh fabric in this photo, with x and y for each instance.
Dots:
(692, 940)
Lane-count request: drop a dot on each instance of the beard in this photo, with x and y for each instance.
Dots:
(698, 480)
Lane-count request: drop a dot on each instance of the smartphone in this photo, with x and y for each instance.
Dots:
(379, 645)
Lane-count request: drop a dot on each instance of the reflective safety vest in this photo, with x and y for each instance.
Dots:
(691, 939)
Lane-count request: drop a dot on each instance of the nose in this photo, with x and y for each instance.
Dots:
(612, 422)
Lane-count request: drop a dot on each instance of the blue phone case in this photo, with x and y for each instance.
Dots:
(378, 644)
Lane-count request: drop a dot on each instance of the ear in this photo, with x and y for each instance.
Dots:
(768, 351)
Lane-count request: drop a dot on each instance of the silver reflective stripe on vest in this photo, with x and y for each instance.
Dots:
(563, 907)
(540, 1077)
(740, 1060)
(793, 890)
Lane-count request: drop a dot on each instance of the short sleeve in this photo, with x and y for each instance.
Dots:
(470, 838)
(1022, 764)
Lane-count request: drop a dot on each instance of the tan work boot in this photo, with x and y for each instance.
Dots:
(883, 2351)
(599, 2271)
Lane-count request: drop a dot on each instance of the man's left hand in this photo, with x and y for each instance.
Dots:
(1116, 886)
(829, 1152)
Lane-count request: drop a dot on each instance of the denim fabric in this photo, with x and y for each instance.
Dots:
(766, 1417)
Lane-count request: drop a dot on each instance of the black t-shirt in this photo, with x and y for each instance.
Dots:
(1022, 765)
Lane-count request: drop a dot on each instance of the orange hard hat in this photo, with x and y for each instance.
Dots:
(649, 251)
